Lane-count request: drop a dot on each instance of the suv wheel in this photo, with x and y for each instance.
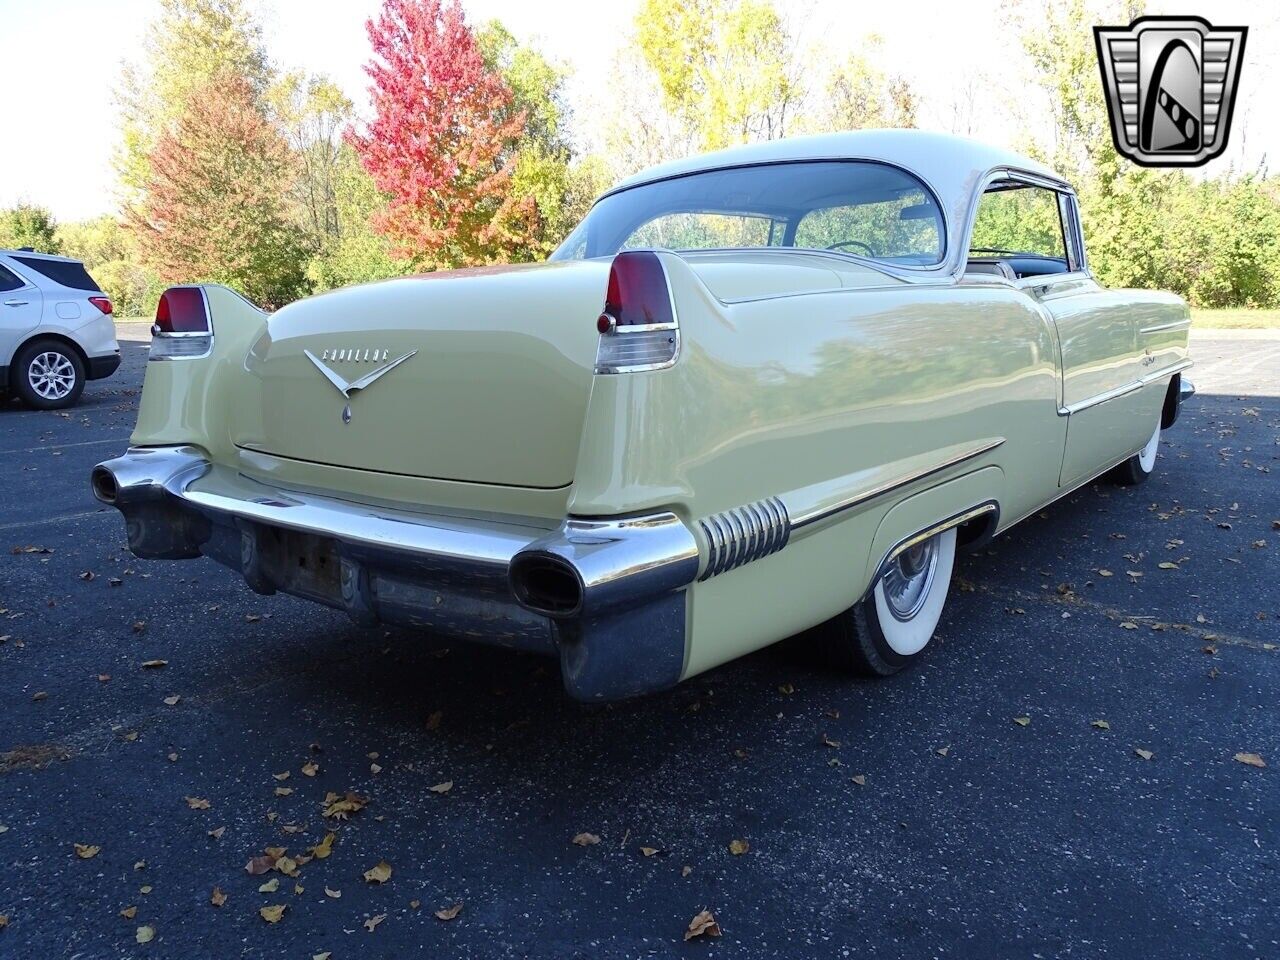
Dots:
(48, 375)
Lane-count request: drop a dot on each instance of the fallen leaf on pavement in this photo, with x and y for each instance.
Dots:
(1252, 759)
(129, 912)
(738, 847)
(145, 934)
(1022, 721)
(372, 923)
(380, 873)
(1100, 724)
(1144, 754)
(686, 870)
(650, 851)
(261, 864)
(283, 791)
(324, 847)
(335, 894)
(197, 803)
(586, 839)
(273, 914)
(86, 850)
(154, 664)
(860, 779)
(442, 787)
(704, 924)
(271, 886)
(943, 751)
(448, 913)
(310, 768)
(217, 898)
(341, 807)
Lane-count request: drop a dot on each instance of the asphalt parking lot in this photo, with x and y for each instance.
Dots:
(911, 817)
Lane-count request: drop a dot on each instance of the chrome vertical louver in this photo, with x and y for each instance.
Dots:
(743, 534)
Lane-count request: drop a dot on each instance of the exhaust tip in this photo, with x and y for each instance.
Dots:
(546, 585)
(104, 484)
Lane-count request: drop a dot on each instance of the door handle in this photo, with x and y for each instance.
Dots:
(16, 303)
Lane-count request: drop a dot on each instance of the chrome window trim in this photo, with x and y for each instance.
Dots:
(1026, 178)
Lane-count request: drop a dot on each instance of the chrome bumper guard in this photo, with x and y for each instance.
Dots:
(607, 596)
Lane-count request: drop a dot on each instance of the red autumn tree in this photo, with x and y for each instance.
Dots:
(213, 205)
(442, 142)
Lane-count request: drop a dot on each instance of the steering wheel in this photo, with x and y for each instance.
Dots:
(853, 243)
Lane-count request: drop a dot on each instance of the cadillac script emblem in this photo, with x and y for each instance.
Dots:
(1170, 84)
(355, 355)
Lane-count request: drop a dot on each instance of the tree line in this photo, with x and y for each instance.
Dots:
(231, 171)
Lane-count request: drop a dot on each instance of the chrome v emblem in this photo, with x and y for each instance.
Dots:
(347, 388)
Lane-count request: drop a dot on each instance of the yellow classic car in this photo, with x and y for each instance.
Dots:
(759, 392)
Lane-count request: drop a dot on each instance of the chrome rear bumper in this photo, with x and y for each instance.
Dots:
(607, 596)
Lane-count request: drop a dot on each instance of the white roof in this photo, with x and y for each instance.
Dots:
(952, 166)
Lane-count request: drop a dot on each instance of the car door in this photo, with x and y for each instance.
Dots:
(1034, 228)
(20, 306)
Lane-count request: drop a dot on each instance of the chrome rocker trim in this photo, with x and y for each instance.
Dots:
(607, 596)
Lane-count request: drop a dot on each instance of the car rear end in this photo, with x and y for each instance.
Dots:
(73, 309)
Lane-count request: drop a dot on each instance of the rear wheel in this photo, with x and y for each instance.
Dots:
(1138, 468)
(891, 628)
(48, 375)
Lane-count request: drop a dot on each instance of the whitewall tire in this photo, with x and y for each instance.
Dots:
(1138, 468)
(893, 626)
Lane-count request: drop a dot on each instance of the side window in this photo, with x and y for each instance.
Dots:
(9, 280)
(1021, 223)
(703, 231)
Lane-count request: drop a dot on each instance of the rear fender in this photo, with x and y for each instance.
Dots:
(188, 400)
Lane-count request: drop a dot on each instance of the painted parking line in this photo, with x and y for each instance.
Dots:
(63, 446)
(45, 521)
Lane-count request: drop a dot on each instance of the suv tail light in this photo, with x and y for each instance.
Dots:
(638, 328)
(183, 329)
(103, 304)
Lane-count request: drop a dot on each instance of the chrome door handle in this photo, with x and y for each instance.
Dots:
(16, 303)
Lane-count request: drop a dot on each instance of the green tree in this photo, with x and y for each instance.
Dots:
(215, 206)
(542, 173)
(26, 225)
(860, 95)
(190, 43)
(104, 245)
(727, 69)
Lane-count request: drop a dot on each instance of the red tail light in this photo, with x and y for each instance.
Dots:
(638, 292)
(103, 304)
(182, 310)
(638, 329)
(183, 330)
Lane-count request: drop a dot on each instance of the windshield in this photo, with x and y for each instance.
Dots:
(857, 207)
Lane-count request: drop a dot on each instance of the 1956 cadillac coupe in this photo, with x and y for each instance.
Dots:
(756, 392)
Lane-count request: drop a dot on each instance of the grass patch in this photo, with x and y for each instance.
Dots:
(1235, 319)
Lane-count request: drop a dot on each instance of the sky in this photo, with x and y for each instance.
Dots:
(61, 61)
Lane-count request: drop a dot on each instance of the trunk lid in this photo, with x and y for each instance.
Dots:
(476, 375)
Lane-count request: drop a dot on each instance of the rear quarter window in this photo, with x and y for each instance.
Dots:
(9, 280)
(68, 273)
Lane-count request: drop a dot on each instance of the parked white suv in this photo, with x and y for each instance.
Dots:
(56, 330)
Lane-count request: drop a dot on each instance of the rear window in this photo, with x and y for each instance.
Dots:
(68, 273)
(856, 207)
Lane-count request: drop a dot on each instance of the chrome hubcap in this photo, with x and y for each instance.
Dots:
(906, 583)
(51, 375)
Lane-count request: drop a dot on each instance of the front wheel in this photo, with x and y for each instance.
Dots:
(1138, 468)
(48, 375)
(891, 628)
